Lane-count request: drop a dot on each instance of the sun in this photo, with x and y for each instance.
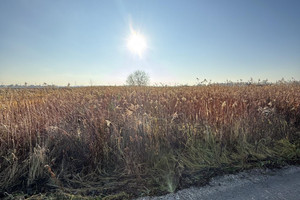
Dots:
(136, 43)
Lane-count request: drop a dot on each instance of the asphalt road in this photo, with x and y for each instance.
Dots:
(254, 184)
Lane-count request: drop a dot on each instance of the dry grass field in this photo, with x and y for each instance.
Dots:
(125, 142)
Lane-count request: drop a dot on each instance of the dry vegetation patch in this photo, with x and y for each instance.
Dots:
(124, 142)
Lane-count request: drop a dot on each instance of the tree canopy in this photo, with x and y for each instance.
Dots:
(138, 78)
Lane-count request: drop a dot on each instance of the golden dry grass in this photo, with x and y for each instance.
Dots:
(133, 141)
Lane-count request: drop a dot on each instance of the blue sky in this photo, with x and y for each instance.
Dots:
(84, 42)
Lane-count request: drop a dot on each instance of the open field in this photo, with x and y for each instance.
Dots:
(126, 142)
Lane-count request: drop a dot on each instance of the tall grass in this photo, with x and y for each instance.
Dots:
(124, 142)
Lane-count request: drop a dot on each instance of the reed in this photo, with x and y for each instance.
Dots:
(125, 142)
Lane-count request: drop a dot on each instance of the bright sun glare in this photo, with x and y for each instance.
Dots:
(136, 43)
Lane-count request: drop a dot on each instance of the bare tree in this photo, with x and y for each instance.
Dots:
(138, 78)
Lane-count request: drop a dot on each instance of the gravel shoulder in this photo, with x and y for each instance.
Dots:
(254, 184)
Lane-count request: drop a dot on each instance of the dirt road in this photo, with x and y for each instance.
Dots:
(254, 184)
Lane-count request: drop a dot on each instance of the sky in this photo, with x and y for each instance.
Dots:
(85, 42)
